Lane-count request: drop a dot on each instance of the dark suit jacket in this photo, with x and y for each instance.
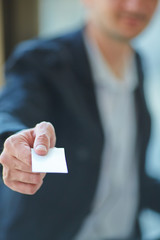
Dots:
(51, 80)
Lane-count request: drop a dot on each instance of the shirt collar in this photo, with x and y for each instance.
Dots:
(103, 75)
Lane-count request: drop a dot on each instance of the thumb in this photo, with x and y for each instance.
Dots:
(44, 138)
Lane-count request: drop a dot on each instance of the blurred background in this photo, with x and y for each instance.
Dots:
(24, 19)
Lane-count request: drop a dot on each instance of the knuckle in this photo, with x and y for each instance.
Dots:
(36, 179)
(17, 146)
(7, 143)
(45, 125)
(10, 142)
(3, 159)
(42, 124)
(6, 179)
(45, 134)
(43, 138)
(6, 182)
(6, 174)
(32, 189)
(51, 128)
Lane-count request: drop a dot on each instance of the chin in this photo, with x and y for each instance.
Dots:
(131, 33)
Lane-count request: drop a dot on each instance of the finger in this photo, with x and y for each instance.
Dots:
(17, 146)
(24, 188)
(16, 175)
(44, 138)
(13, 163)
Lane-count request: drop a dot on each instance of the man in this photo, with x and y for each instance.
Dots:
(89, 86)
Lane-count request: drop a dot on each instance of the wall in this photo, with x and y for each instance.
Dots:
(20, 22)
(58, 16)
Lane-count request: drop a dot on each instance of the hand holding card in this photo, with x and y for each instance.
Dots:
(53, 162)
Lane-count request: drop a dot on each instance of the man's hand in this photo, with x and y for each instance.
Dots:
(16, 157)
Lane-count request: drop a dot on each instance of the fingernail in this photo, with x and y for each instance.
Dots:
(41, 148)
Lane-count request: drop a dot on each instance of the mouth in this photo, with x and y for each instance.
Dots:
(133, 19)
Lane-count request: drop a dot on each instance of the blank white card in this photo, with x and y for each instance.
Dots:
(53, 162)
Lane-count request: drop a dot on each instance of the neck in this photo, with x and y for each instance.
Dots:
(115, 53)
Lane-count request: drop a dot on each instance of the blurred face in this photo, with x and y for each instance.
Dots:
(121, 19)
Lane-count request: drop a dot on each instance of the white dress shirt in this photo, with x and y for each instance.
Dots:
(116, 200)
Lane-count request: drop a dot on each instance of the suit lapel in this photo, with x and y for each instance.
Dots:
(143, 117)
(82, 70)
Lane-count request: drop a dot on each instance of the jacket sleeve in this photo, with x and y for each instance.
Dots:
(25, 99)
